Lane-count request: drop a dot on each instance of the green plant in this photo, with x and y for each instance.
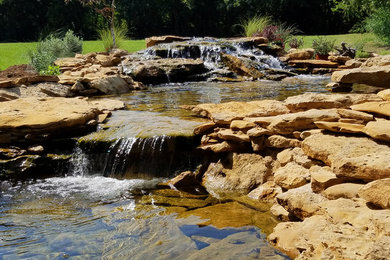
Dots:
(295, 43)
(120, 36)
(51, 71)
(255, 25)
(379, 24)
(53, 47)
(322, 45)
(286, 32)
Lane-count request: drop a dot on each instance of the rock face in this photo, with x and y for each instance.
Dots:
(37, 118)
(353, 157)
(240, 174)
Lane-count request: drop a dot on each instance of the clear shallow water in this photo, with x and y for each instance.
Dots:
(95, 217)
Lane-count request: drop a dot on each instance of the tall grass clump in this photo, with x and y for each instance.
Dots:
(255, 25)
(53, 47)
(105, 36)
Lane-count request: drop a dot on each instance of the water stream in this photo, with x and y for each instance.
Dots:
(108, 206)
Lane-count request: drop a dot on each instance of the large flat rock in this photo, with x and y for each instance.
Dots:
(378, 76)
(353, 157)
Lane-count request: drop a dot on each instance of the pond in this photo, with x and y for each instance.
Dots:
(91, 215)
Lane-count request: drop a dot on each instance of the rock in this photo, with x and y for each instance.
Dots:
(218, 148)
(382, 108)
(185, 181)
(110, 85)
(289, 123)
(278, 141)
(307, 133)
(301, 202)
(339, 59)
(308, 101)
(118, 53)
(204, 128)
(11, 152)
(242, 125)
(152, 41)
(258, 143)
(280, 212)
(266, 192)
(294, 155)
(225, 113)
(343, 190)
(258, 132)
(229, 135)
(239, 174)
(377, 61)
(379, 129)
(291, 176)
(384, 94)
(272, 49)
(55, 90)
(107, 60)
(241, 67)
(313, 63)
(357, 115)
(340, 127)
(249, 41)
(36, 149)
(189, 203)
(373, 76)
(352, 157)
(323, 178)
(44, 116)
(69, 62)
(163, 70)
(7, 96)
(351, 64)
(339, 87)
(300, 54)
(377, 193)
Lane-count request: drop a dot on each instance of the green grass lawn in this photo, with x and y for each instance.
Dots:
(17, 53)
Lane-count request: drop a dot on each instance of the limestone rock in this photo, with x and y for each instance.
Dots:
(257, 132)
(278, 141)
(340, 127)
(351, 64)
(241, 174)
(242, 125)
(280, 212)
(107, 60)
(325, 101)
(379, 129)
(307, 133)
(291, 176)
(378, 76)
(343, 190)
(204, 128)
(225, 113)
(377, 61)
(229, 135)
(241, 67)
(294, 155)
(313, 63)
(323, 178)
(164, 39)
(302, 202)
(110, 85)
(289, 123)
(382, 108)
(218, 148)
(377, 193)
(357, 115)
(266, 192)
(185, 180)
(257, 143)
(384, 94)
(300, 54)
(69, 62)
(352, 157)
(339, 59)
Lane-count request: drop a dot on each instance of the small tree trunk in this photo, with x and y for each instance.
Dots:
(112, 24)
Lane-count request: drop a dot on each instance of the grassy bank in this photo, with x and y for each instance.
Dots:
(17, 53)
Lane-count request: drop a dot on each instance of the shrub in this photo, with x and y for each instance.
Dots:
(255, 25)
(295, 43)
(286, 32)
(379, 24)
(51, 70)
(53, 47)
(322, 46)
(120, 36)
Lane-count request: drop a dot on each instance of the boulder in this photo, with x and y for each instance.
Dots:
(241, 67)
(185, 181)
(379, 129)
(289, 123)
(377, 193)
(342, 190)
(382, 108)
(107, 60)
(308, 101)
(340, 127)
(384, 94)
(291, 176)
(241, 125)
(219, 147)
(300, 54)
(239, 174)
(352, 157)
(339, 59)
(377, 76)
(225, 113)
(110, 85)
(151, 41)
(204, 128)
(356, 115)
(279, 141)
(258, 132)
(302, 202)
(294, 155)
(46, 116)
(383, 60)
(266, 192)
(280, 212)
(352, 64)
(323, 178)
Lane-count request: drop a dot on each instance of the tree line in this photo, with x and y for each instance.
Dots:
(31, 20)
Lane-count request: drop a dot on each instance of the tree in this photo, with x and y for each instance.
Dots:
(104, 8)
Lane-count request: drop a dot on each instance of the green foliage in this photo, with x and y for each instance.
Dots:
(295, 43)
(379, 24)
(51, 71)
(322, 45)
(255, 25)
(286, 32)
(53, 47)
(120, 36)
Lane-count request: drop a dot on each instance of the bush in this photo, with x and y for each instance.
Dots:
(279, 34)
(379, 24)
(51, 70)
(53, 47)
(295, 43)
(120, 36)
(322, 46)
(255, 25)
